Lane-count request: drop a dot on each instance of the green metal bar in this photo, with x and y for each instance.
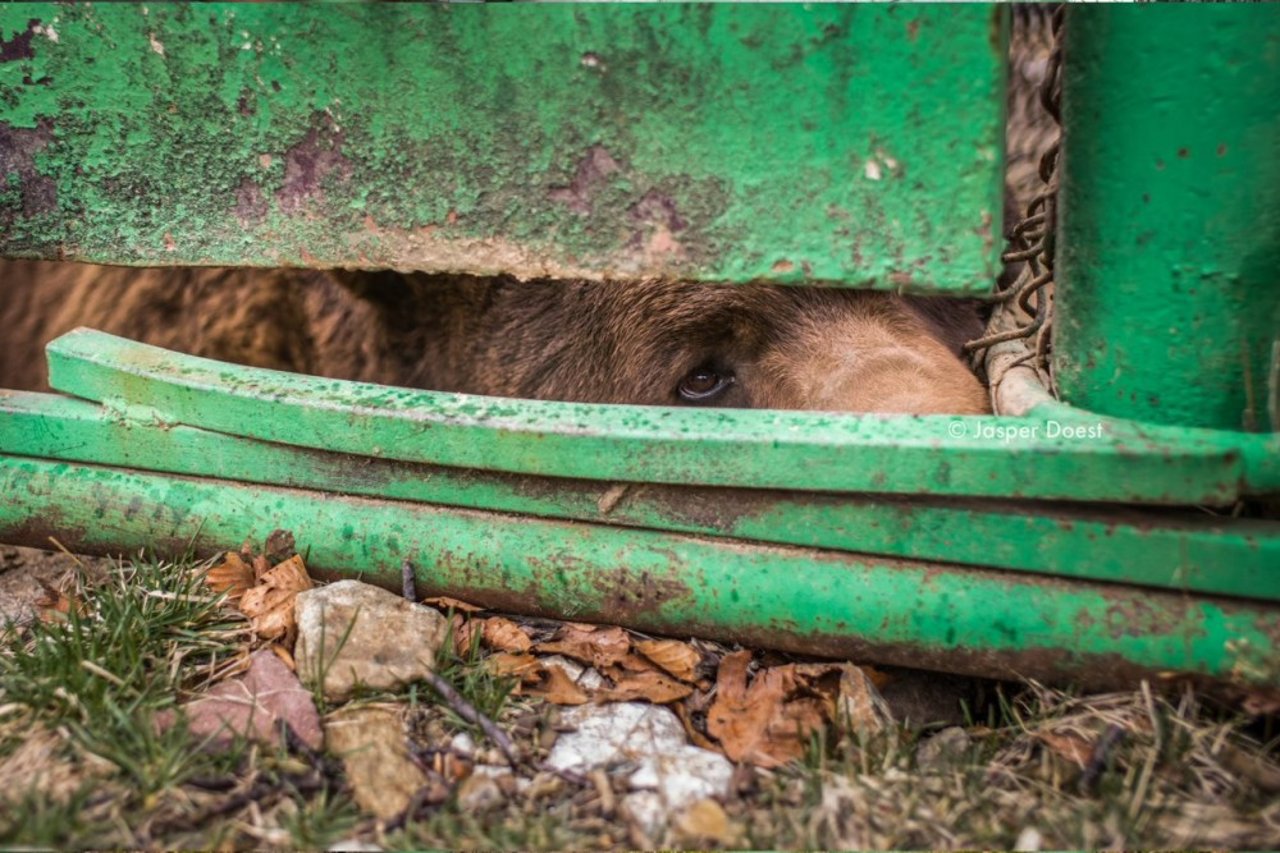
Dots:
(718, 142)
(916, 614)
(1167, 304)
(1199, 553)
(971, 456)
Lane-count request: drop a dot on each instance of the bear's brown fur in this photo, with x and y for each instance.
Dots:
(635, 342)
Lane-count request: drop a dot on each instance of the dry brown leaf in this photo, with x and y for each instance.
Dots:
(462, 632)
(444, 602)
(286, 656)
(674, 657)
(653, 686)
(769, 721)
(1071, 747)
(54, 605)
(233, 576)
(598, 645)
(269, 605)
(558, 688)
(261, 565)
(505, 635)
(537, 679)
(523, 667)
(696, 737)
(859, 704)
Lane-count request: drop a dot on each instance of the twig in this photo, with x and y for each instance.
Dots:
(408, 584)
(468, 712)
(63, 549)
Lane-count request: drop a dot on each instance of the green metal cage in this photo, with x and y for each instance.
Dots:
(1089, 538)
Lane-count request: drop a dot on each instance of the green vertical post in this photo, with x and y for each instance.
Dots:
(1168, 301)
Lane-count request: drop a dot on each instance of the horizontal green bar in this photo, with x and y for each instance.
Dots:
(1194, 553)
(917, 614)
(1103, 460)
(716, 142)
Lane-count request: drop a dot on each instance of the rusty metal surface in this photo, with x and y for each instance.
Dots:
(1192, 552)
(899, 612)
(858, 145)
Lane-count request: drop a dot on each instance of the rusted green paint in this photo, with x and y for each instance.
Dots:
(1081, 458)
(1191, 553)
(1168, 305)
(850, 144)
(917, 614)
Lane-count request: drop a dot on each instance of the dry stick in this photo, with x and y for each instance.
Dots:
(468, 712)
(460, 706)
(408, 584)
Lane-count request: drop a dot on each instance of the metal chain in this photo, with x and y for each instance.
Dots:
(1031, 242)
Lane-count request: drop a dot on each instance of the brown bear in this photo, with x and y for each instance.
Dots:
(647, 342)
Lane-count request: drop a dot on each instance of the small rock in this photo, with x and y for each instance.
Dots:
(254, 704)
(647, 811)
(372, 744)
(1029, 840)
(650, 739)
(479, 792)
(354, 845)
(703, 822)
(388, 641)
(463, 744)
(947, 746)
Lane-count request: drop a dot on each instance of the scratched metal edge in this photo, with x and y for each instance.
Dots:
(1190, 553)
(908, 613)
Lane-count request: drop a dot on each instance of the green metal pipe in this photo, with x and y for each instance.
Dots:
(898, 612)
(1179, 551)
(1168, 292)
(1080, 458)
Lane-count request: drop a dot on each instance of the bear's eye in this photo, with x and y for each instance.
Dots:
(704, 384)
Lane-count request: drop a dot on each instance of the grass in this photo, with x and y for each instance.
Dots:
(80, 697)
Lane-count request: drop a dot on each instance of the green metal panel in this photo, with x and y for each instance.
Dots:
(852, 144)
(1190, 552)
(916, 614)
(1065, 455)
(1168, 300)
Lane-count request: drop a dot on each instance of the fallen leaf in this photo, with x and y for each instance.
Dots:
(538, 679)
(523, 667)
(674, 657)
(768, 722)
(232, 576)
(597, 645)
(653, 686)
(54, 605)
(269, 605)
(261, 565)
(696, 737)
(505, 635)
(1071, 747)
(253, 705)
(557, 688)
(444, 602)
